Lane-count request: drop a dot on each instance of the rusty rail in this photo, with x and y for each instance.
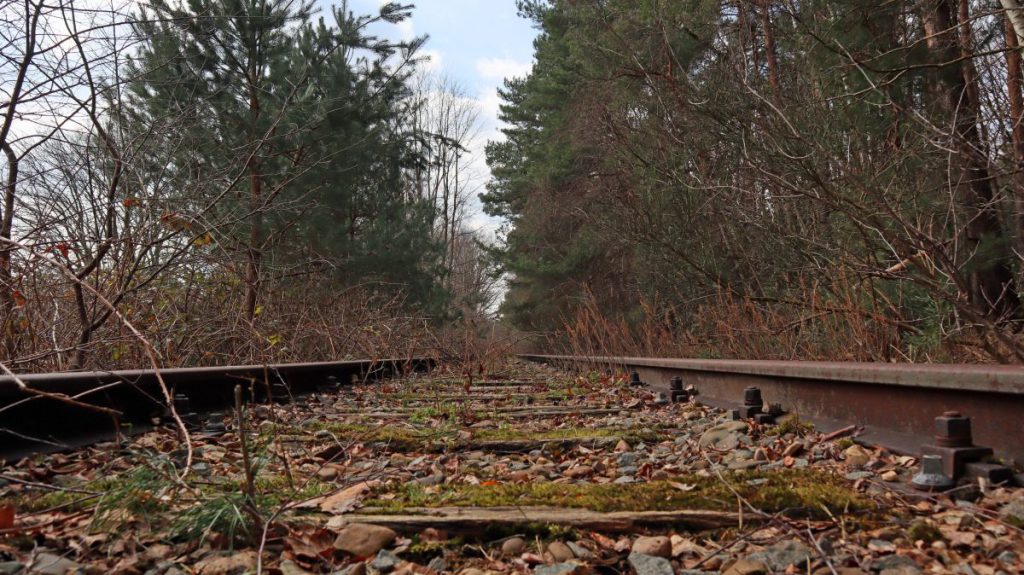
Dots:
(30, 423)
(896, 403)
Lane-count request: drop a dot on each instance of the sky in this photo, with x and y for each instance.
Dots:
(476, 43)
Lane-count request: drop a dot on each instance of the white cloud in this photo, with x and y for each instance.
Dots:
(406, 31)
(501, 68)
(433, 60)
(493, 72)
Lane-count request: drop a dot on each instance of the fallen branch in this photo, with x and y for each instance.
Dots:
(848, 430)
(477, 519)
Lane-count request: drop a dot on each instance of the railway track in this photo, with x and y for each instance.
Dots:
(36, 423)
(896, 404)
(549, 466)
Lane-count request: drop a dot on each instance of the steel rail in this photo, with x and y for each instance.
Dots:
(136, 394)
(896, 403)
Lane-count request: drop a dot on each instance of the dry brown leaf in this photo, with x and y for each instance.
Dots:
(233, 564)
(345, 500)
(7, 516)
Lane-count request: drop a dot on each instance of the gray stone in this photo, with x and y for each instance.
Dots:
(1007, 557)
(783, 554)
(895, 564)
(580, 551)
(430, 480)
(50, 564)
(385, 561)
(650, 565)
(855, 475)
(627, 459)
(557, 569)
(438, 564)
(725, 436)
(964, 569)
(625, 479)
(10, 567)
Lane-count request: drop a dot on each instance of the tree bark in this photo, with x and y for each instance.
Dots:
(254, 252)
(1015, 15)
(990, 282)
(769, 48)
(1014, 86)
(474, 519)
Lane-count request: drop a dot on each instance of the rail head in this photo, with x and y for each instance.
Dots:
(77, 381)
(1001, 379)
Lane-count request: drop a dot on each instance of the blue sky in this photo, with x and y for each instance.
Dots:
(477, 43)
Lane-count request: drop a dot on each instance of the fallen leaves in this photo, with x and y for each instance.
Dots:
(7, 517)
(345, 500)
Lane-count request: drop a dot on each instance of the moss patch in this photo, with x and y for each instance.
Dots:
(799, 492)
(922, 530)
(400, 438)
(513, 434)
(791, 423)
(414, 439)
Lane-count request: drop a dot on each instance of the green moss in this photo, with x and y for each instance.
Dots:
(844, 443)
(29, 502)
(800, 492)
(922, 530)
(399, 438)
(421, 439)
(791, 423)
(512, 434)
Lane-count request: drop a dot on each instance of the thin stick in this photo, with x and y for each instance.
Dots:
(250, 489)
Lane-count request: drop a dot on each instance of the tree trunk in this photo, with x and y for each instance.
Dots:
(1015, 16)
(769, 48)
(988, 277)
(254, 251)
(6, 274)
(1014, 85)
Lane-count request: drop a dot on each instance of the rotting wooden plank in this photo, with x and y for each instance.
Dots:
(477, 519)
(499, 382)
(435, 445)
(513, 412)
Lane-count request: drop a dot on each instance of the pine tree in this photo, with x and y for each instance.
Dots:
(290, 138)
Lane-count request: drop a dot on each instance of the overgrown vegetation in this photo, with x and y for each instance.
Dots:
(799, 492)
(812, 180)
(232, 182)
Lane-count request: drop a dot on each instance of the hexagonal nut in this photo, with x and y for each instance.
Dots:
(953, 430)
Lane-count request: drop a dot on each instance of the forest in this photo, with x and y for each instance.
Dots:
(225, 182)
(767, 179)
(236, 181)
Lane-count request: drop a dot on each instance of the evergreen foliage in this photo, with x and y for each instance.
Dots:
(291, 139)
(759, 154)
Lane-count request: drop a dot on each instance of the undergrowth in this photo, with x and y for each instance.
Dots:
(807, 493)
